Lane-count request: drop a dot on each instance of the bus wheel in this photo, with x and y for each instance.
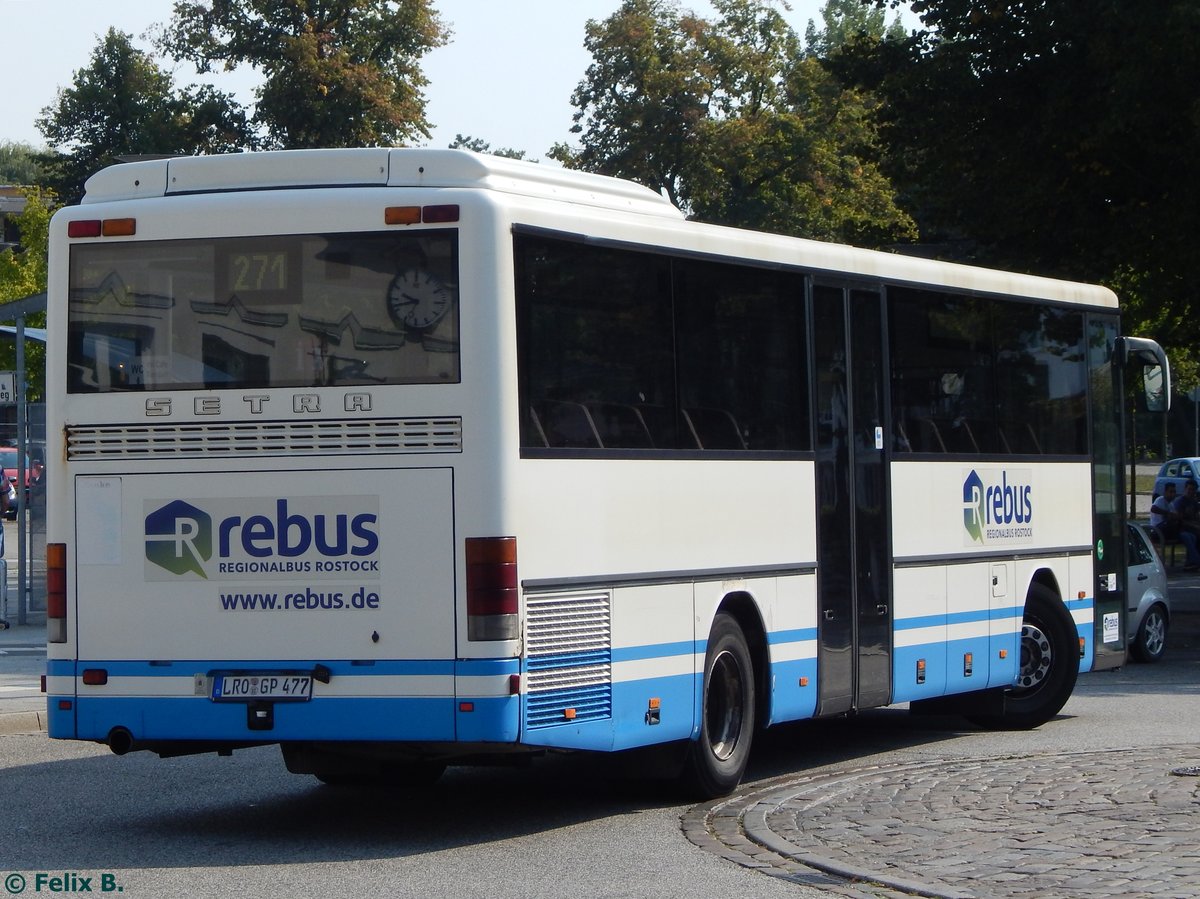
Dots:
(717, 760)
(1049, 665)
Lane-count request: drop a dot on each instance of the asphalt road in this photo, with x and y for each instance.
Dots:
(567, 825)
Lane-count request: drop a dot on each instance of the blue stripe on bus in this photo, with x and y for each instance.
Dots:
(800, 635)
(629, 723)
(493, 719)
(789, 700)
(557, 660)
(658, 650)
(945, 666)
(1086, 630)
(975, 615)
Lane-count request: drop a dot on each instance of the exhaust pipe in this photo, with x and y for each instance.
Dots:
(120, 740)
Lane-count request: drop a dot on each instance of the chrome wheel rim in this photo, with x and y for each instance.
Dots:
(1155, 630)
(723, 710)
(1037, 655)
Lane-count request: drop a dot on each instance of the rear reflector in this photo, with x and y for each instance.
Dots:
(56, 592)
(85, 228)
(492, 593)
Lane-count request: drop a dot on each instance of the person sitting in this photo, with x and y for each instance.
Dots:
(1168, 521)
(1188, 508)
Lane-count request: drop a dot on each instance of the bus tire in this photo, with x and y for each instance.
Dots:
(1049, 665)
(717, 760)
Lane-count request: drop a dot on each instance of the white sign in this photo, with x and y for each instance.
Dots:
(8, 387)
(1112, 627)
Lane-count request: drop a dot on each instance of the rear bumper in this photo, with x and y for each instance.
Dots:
(444, 701)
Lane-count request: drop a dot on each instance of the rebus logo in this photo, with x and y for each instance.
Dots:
(179, 538)
(262, 537)
(973, 516)
(998, 506)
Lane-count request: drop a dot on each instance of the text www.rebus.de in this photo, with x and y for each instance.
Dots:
(309, 599)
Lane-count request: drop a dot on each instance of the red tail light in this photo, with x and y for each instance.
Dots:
(56, 592)
(492, 592)
(432, 215)
(84, 228)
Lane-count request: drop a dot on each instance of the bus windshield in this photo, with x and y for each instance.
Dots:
(309, 310)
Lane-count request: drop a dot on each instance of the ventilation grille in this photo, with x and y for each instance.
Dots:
(568, 668)
(248, 439)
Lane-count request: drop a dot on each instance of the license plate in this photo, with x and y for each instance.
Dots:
(279, 686)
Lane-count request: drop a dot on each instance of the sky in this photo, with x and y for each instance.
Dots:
(506, 76)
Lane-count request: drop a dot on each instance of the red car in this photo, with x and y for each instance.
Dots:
(8, 459)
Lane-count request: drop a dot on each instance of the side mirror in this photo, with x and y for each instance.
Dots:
(1156, 372)
(1154, 385)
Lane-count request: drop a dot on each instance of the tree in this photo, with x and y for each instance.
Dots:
(22, 274)
(336, 72)
(732, 123)
(475, 144)
(643, 97)
(1054, 137)
(123, 104)
(847, 21)
(18, 163)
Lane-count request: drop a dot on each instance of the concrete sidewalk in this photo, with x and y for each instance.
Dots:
(22, 663)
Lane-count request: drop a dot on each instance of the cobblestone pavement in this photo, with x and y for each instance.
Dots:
(1117, 823)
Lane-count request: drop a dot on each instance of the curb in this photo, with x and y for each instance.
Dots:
(22, 723)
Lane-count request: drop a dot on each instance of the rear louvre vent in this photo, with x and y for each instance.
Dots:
(254, 439)
(568, 640)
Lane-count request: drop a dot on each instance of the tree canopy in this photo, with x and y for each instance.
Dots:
(19, 163)
(479, 145)
(732, 123)
(1053, 137)
(336, 73)
(124, 104)
(848, 21)
(22, 274)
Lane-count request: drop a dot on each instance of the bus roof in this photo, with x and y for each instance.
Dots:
(418, 167)
(377, 167)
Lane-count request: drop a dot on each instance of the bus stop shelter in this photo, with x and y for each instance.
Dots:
(16, 313)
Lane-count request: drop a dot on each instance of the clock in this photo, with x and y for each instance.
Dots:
(418, 300)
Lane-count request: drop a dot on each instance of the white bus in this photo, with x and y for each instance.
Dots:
(403, 458)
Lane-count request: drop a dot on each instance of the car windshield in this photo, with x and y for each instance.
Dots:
(8, 459)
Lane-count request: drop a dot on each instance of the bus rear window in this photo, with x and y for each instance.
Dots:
(310, 310)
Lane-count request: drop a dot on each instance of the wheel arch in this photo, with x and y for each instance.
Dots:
(1044, 577)
(745, 611)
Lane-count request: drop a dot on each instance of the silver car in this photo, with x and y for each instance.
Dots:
(1149, 606)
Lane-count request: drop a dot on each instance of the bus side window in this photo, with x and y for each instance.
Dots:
(714, 429)
(564, 424)
(620, 425)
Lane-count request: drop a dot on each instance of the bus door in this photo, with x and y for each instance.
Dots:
(853, 546)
